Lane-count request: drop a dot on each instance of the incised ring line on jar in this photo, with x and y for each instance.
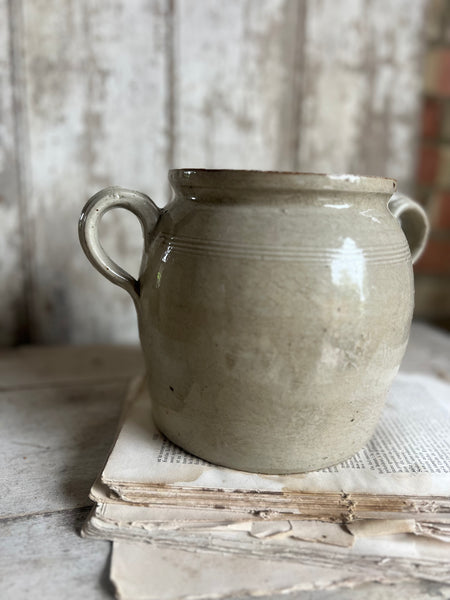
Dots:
(274, 309)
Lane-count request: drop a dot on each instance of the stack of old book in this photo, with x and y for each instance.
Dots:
(185, 529)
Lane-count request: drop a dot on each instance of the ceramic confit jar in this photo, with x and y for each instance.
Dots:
(274, 309)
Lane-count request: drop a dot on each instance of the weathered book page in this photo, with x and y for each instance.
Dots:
(409, 454)
(171, 525)
(141, 570)
(121, 521)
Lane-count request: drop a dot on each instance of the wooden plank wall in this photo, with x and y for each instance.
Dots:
(14, 322)
(117, 92)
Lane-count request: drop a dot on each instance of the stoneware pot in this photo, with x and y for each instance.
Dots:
(274, 309)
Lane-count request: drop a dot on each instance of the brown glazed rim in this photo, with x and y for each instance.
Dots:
(279, 180)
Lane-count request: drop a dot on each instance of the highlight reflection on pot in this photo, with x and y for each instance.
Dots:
(348, 267)
(274, 309)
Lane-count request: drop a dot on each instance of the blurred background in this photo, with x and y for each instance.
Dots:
(96, 93)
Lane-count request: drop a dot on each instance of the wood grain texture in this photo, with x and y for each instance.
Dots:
(96, 86)
(64, 428)
(59, 564)
(42, 556)
(233, 83)
(52, 459)
(60, 408)
(59, 418)
(55, 366)
(362, 73)
(118, 91)
(13, 321)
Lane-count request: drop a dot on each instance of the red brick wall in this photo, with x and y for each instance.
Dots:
(433, 169)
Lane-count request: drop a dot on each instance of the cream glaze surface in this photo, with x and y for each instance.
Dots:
(274, 310)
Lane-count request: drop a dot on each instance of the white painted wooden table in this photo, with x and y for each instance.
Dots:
(59, 408)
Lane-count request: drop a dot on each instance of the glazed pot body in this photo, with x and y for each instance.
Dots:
(274, 311)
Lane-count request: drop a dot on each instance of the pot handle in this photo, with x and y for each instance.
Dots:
(115, 197)
(413, 220)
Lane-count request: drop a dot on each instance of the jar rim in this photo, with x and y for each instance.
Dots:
(284, 181)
